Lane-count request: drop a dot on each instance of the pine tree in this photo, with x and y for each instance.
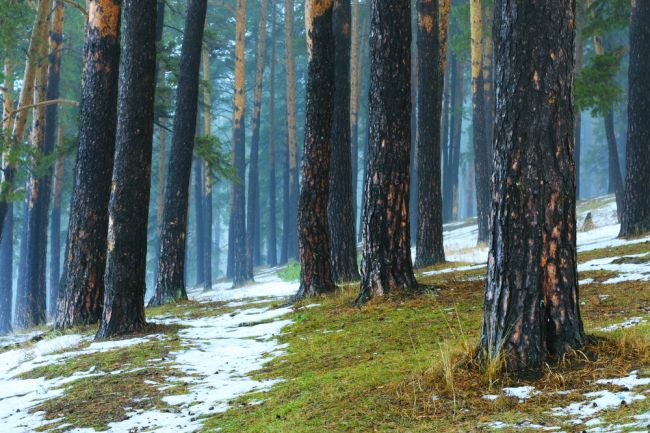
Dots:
(207, 171)
(531, 305)
(386, 262)
(272, 241)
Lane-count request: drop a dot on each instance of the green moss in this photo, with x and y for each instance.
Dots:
(291, 272)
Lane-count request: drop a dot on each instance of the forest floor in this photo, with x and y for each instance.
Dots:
(242, 360)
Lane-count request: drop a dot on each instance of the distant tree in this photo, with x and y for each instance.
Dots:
(452, 151)
(340, 206)
(240, 270)
(253, 211)
(482, 163)
(386, 262)
(313, 230)
(636, 212)
(55, 230)
(170, 284)
(81, 292)
(272, 241)
(531, 305)
(126, 260)
(429, 248)
(207, 170)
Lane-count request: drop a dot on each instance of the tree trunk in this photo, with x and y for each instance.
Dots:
(636, 212)
(55, 230)
(481, 160)
(126, 261)
(170, 284)
(81, 291)
(6, 271)
(450, 179)
(580, 55)
(207, 172)
(162, 142)
(355, 82)
(31, 295)
(272, 252)
(415, 133)
(386, 264)
(252, 226)
(531, 305)
(35, 53)
(284, 247)
(240, 274)
(355, 132)
(488, 90)
(291, 131)
(340, 208)
(313, 230)
(615, 179)
(429, 235)
(199, 223)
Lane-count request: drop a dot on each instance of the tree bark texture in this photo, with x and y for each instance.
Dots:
(199, 215)
(429, 248)
(636, 212)
(55, 231)
(531, 304)
(126, 260)
(340, 208)
(170, 284)
(313, 228)
(272, 242)
(6, 271)
(207, 172)
(386, 263)
(450, 184)
(81, 291)
(615, 179)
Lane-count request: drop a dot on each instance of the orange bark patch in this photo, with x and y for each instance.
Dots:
(104, 15)
(426, 22)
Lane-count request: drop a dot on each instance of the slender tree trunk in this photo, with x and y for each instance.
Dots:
(429, 235)
(340, 208)
(291, 130)
(445, 145)
(55, 230)
(615, 178)
(488, 89)
(253, 170)
(199, 223)
(355, 82)
(284, 247)
(31, 295)
(580, 55)
(636, 212)
(272, 253)
(455, 136)
(126, 261)
(207, 172)
(162, 141)
(35, 53)
(481, 160)
(386, 263)
(6, 271)
(170, 284)
(238, 211)
(81, 291)
(313, 230)
(415, 133)
(355, 131)
(531, 305)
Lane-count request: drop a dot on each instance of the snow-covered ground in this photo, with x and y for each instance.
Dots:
(220, 352)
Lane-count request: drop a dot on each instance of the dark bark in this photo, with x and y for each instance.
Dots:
(207, 172)
(481, 162)
(240, 271)
(199, 223)
(252, 214)
(6, 270)
(170, 284)
(313, 228)
(386, 264)
(272, 241)
(636, 212)
(430, 250)
(81, 291)
(415, 133)
(450, 184)
(531, 305)
(286, 210)
(126, 259)
(615, 179)
(55, 234)
(340, 207)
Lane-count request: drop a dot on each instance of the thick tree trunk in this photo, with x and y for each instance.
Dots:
(199, 223)
(241, 273)
(292, 139)
(636, 212)
(386, 264)
(481, 160)
(272, 242)
(615, 179)
(55, 231)
(531, 305)
(31, 295)
(81, 291)
(252, 225)
(126, 261)
(313, 230)
(340, 208)
(429, 234)
(6, 271)
(207, 172)
(170, 284)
